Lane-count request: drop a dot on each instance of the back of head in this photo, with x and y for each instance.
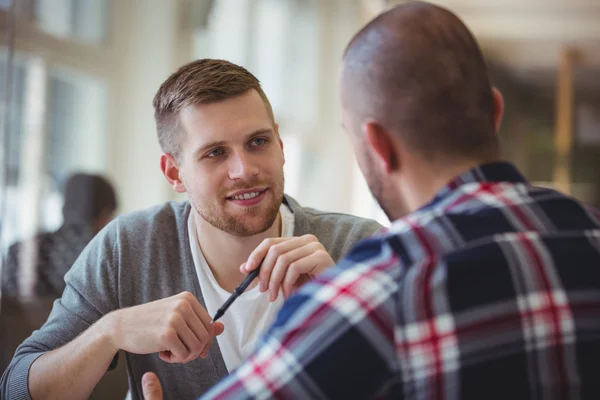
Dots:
(87, 197)
(202, 81)
(417, 70)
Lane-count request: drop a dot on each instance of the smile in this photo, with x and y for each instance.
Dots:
(246, 196)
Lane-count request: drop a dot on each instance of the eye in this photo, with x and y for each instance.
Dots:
(215, 153)
(259, 142)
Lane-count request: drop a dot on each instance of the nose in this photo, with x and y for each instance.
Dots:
(242, 166)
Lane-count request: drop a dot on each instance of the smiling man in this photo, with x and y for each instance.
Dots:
(150, 282)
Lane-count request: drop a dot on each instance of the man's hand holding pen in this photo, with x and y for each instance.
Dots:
(177, 327)
(287, 263)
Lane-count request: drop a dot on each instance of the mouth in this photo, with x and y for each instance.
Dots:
(249, 197)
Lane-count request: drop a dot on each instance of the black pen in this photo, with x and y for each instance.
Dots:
(237, 292)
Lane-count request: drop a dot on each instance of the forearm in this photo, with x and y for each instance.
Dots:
(73, 370)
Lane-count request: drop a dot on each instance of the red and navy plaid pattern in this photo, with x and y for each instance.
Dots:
(490, 291)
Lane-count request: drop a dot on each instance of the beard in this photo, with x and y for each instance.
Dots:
(390, 207)
(248, 221)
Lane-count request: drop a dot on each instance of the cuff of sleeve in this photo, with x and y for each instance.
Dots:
(19, 377)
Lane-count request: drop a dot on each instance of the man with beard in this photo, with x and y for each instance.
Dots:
(484, 287)
(151, 281)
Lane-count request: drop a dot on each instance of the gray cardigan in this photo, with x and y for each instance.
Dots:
(142, 257)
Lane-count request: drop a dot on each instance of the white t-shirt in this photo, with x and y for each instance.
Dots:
(250, 315)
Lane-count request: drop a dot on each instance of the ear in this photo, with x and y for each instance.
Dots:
(380, 143)
(498, 108)
(170, 169)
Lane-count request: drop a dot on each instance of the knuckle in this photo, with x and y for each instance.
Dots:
(204, 338)
(187, 296)
(196, 348)
(178, 307)
(276, 250)
(182, 307)
(311, 237)
(294, 267)
(174, 319)
(167, 336)
(185, 307)
(283, 260)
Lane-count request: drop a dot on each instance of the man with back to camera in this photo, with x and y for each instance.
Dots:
(151, 281)
(484, 287)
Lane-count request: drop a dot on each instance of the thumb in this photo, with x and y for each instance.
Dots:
(151, 387)
(218, 328)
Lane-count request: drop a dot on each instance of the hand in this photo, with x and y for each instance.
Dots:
(151, 388)
(178, 328)
(288, 263)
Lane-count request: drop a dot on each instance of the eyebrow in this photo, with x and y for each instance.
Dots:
(219, 143)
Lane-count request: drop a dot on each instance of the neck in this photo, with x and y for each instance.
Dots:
(225, 253)
(425, 180)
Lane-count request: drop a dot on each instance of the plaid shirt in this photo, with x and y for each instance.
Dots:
(490, 291)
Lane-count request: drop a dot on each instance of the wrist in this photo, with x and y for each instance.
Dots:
(108, 331)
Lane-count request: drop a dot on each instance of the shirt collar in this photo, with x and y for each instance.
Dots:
(500, 171)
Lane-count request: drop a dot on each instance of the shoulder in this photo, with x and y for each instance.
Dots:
(168, 215)
(137, 234)
(164, 218)
(310, 219)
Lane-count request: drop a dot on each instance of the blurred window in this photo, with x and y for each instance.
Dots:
(80, 20)
(14, 113)
(73, 138)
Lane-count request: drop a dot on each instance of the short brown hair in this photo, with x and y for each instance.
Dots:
(199, 82)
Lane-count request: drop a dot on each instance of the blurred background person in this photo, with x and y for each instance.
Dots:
(90, 202)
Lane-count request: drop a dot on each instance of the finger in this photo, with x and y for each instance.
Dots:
(196, 318)
(218, 328)
(304, 266)
(201, 323)
(259, 253)
(151, 387)
(275, 251)
(268, 263)
(166, 356)
(200, 311)
(283, 263)
(192, 343)
(201, 333)
(173, 345)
